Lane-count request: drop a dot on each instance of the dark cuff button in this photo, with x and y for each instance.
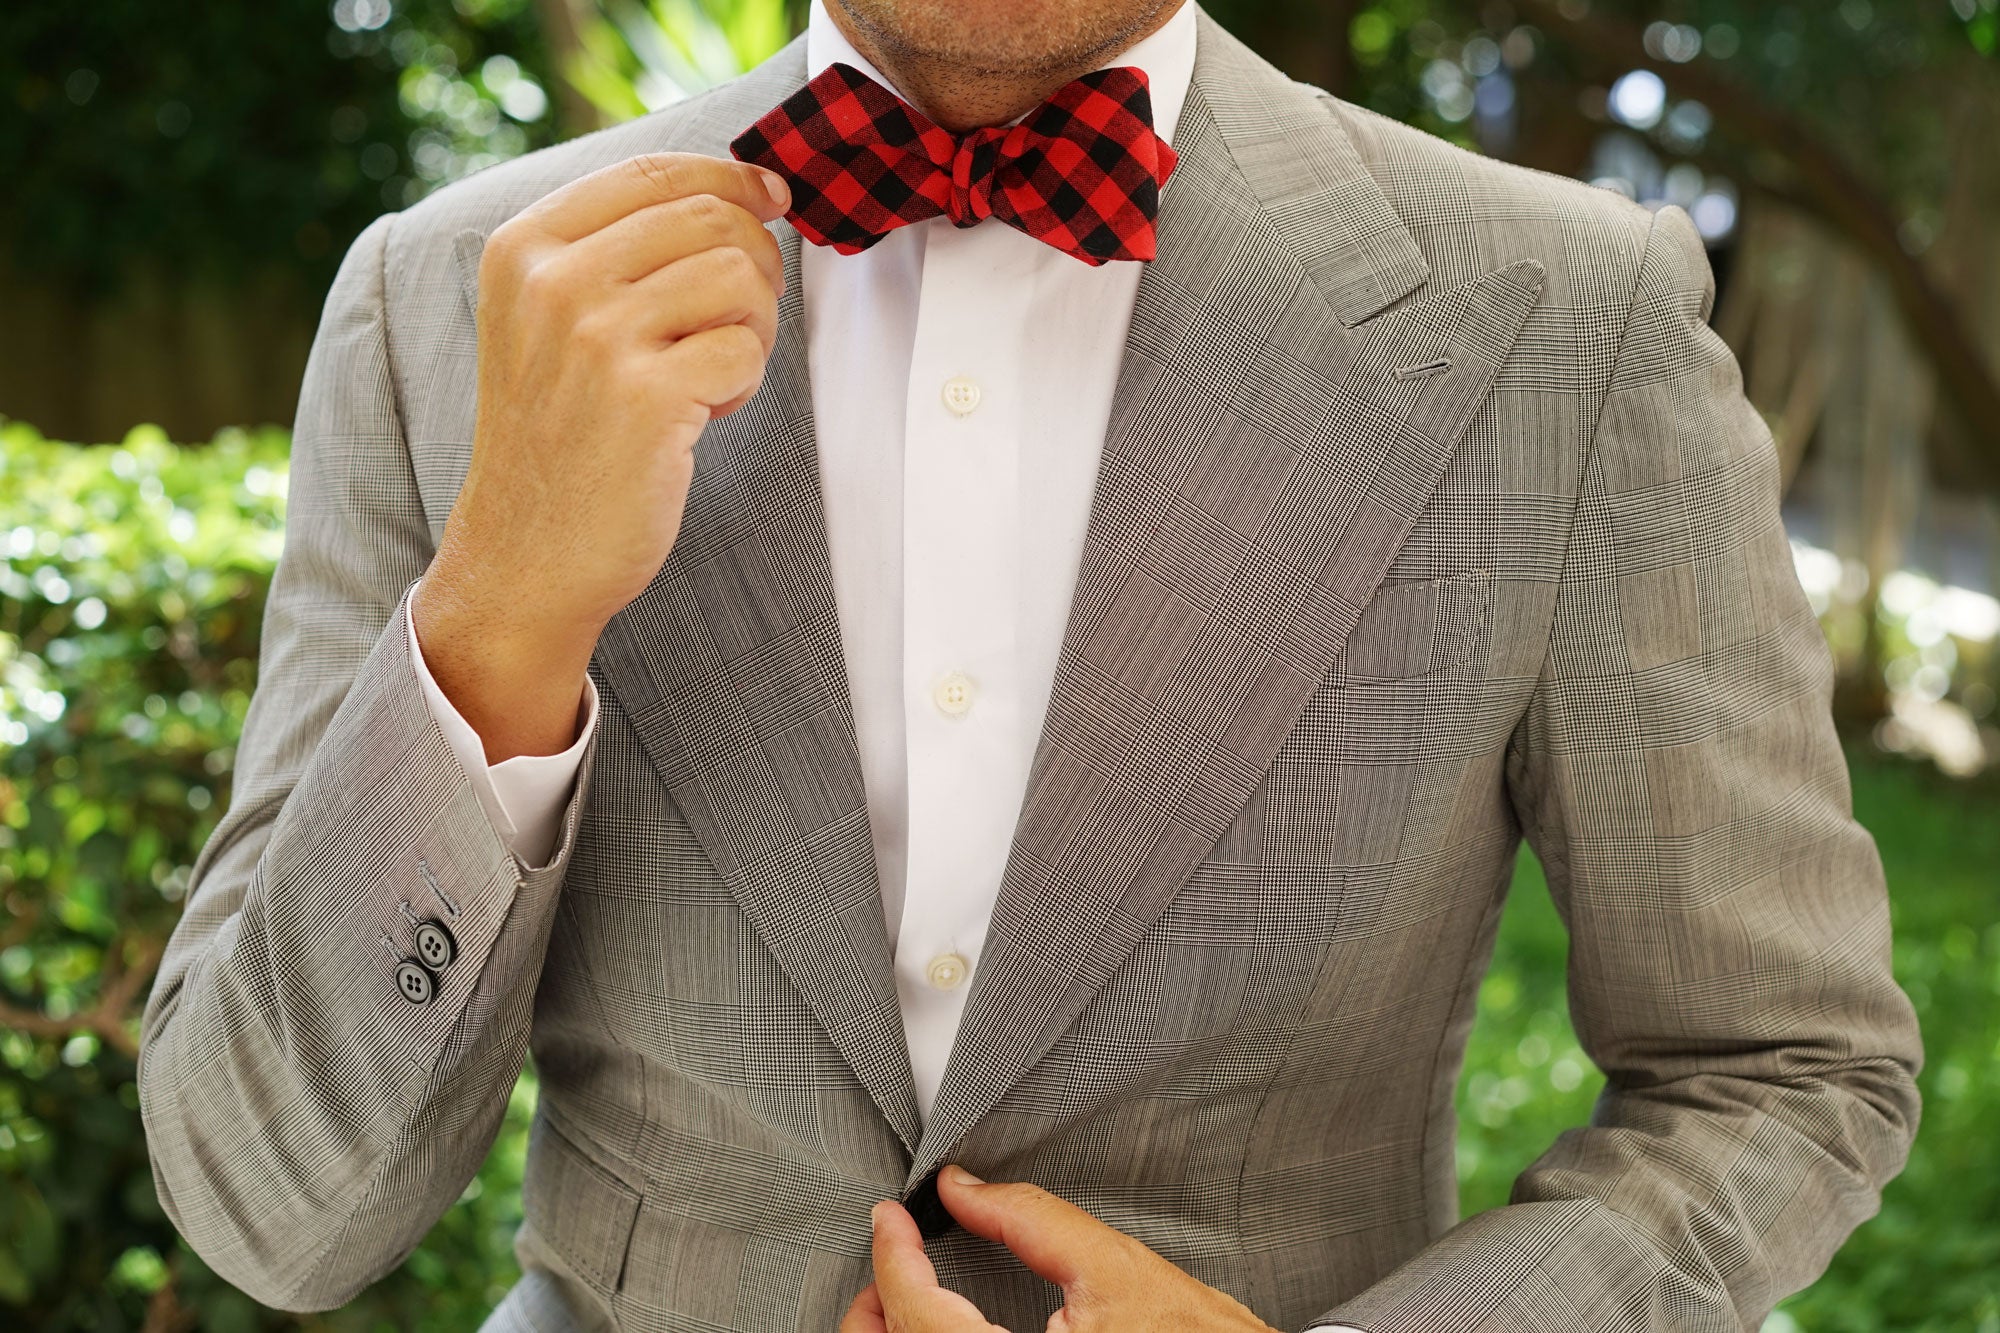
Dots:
(415, 981)
(435, 945)
(933, 1220)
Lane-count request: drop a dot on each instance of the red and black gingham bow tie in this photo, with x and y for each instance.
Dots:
(1082, 171)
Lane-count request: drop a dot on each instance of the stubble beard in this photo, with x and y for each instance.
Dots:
(1030, 41)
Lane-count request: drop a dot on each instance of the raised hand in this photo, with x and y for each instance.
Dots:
(617, 315)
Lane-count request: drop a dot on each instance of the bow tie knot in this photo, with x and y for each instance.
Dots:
(972, 168)
(1082, 171)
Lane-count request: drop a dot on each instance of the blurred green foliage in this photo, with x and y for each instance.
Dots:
(214, 138)
(635, 56)
(130, 604)
(1842, 65)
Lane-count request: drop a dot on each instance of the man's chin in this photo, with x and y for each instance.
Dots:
(1013, 38)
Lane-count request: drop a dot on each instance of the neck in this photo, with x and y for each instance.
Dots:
(959, 95)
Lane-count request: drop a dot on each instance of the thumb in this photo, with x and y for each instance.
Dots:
(903, 1272)
(907, 1296)
(1056, 1239)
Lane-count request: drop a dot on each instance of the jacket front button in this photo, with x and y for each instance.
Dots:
(435, 944)
(932, 1217)
(415, 981)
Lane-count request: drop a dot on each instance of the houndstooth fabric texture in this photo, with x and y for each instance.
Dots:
(1430, 515)
(1082, 171)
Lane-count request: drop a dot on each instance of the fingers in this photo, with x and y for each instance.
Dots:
(903, 1272)
(865, 1313)
(600, 198)
(715, 366)
(658, 234)
(703, 291)
(906, 1284)
(1056, 1239)
(1109, 1279)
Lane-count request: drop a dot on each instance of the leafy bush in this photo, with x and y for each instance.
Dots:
(130, 606)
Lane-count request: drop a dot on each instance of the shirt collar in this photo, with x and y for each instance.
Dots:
(1167, 56)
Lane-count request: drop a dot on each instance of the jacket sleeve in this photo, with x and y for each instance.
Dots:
(524, 797)
(310, 1107)
(1678, 774)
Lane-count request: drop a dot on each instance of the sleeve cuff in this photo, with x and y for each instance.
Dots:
(523, 796)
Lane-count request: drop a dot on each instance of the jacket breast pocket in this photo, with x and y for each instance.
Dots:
(1424, 627)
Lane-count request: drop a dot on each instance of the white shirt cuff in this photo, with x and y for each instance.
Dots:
(523, 796)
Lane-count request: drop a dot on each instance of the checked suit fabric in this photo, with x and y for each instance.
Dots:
(1430, 516)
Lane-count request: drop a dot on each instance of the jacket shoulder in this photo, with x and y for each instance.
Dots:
(1470, 214)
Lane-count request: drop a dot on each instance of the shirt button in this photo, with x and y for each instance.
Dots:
(945, 971)
(961, 395)
(953, 694)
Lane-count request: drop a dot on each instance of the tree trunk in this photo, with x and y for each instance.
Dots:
(562, 23)
(187, 355)
(1825, 182)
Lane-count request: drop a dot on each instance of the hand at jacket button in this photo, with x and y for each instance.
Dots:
(1109, 1279)
(415, 981)
(929, 1210)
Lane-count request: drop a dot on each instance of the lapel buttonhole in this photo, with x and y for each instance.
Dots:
(466, 249)
(1428, 368)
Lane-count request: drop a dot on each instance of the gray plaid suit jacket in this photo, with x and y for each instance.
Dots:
(1431, 514)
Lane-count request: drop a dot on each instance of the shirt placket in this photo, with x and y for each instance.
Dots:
(961, 570)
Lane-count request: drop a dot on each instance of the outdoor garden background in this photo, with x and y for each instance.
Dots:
(177, 184)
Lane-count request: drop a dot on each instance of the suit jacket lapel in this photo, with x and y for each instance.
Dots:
(729, 670)
(1273, 438)
(729, 667)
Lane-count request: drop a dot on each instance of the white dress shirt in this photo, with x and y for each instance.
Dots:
(961, 387)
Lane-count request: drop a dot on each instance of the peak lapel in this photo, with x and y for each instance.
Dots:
(1272, 440)
(730, 671)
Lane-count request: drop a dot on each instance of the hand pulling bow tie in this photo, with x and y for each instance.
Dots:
(1082, 171)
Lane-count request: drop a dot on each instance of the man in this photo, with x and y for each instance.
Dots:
(1052, 680)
